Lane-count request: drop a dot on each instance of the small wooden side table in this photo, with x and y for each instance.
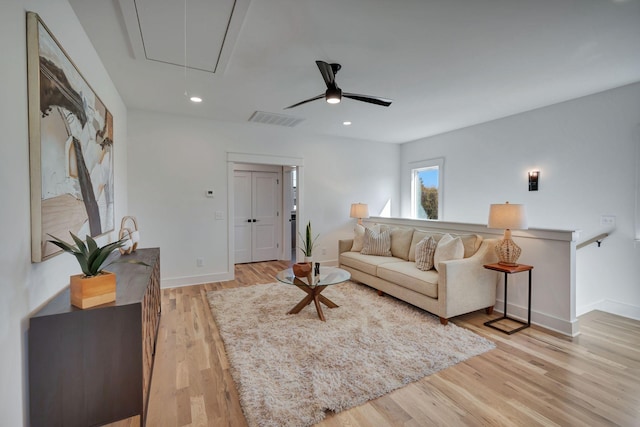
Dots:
(509, 269)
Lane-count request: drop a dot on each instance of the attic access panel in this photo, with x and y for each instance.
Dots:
(156, 29)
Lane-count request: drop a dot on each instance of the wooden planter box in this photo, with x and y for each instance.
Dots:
(88, 292)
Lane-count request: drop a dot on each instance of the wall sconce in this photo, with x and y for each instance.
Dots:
(534, 176)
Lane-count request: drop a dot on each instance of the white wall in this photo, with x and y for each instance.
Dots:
(585, 150)
(173, 160)
(25, 286)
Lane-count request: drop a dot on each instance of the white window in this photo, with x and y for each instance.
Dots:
(426, 189)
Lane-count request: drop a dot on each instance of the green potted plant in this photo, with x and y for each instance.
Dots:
(303, 269)
(308, 243)
(95, 285)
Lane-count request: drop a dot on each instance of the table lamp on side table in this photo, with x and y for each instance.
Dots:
(509, 217)
(359, 210)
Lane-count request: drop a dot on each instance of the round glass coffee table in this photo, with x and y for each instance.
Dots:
(328, 276)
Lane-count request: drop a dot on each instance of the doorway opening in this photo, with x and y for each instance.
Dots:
(290, 208)
(257, 213)
(285, 197)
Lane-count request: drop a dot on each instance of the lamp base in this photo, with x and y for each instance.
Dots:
(508, 252)
(508, 264)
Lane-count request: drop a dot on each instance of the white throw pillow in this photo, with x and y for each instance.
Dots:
(425, 250)
(376, 243)
(401, 241)
(448, 248)
(358, 235)
(358, 238)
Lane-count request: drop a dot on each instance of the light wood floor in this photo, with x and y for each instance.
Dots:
(533, 377)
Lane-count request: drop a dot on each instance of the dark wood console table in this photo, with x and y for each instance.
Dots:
(93, 366)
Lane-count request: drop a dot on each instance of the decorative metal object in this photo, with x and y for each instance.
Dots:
(131, 236)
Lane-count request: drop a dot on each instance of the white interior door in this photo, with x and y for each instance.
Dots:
(242, 216)
(256, 216)
(265, 216)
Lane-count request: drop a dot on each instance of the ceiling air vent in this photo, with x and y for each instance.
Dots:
(275, 119)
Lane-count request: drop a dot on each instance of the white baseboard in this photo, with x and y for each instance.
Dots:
(328, 263)
(613, 307)
(177, 282)
(547, 321)
(587, 308)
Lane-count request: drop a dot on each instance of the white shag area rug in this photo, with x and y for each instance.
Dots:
(290, 369)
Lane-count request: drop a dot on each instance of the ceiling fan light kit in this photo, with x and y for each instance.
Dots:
(334, 94)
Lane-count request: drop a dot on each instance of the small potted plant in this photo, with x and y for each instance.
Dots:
(303, 269)
(94, 286)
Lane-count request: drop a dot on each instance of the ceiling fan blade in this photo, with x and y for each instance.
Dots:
(327, 73)
(305, 101)
(369, 99)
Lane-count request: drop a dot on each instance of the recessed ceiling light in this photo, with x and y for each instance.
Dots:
(347, 123)
(195, 99)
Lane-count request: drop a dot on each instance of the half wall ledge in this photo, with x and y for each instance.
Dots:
(551, 252)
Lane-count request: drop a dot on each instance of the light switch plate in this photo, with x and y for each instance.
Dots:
(608, 220)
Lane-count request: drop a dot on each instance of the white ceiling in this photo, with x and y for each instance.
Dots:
(446, 64)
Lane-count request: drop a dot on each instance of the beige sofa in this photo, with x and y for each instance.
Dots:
(457, 287)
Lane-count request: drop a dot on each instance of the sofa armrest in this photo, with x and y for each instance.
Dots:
(465, 285)
(344, 245)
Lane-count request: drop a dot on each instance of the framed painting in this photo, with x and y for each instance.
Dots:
(70, 147)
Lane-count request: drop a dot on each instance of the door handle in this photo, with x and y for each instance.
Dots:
(249, 220)
(252, 220)
(255, 220)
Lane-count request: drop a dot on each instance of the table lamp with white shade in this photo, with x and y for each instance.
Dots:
(508, 217)
(359, 210)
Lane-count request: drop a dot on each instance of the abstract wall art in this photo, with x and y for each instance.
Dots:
(70, 147)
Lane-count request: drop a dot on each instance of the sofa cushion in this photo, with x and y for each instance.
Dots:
(407, 275)
(376, 243)
(401, 242)
(418, 235)
(358, 238)
(448, 248)
(471, 242)
(358, 235)
(425, 249)
(365, 263)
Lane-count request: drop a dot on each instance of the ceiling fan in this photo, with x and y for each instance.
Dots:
(334, 94)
